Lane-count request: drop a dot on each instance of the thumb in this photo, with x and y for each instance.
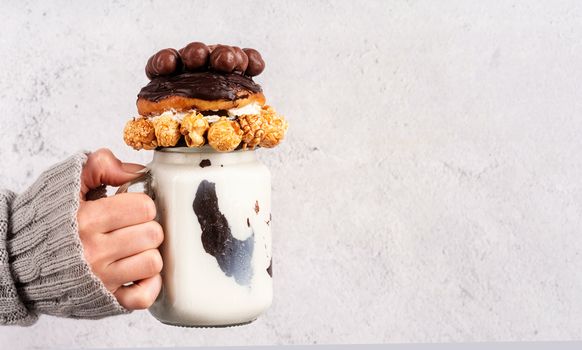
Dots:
(103, 168)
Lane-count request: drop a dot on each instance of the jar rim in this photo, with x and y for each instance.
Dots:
(204, 149)
(185, 155)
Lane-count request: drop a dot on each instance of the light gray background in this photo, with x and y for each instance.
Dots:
(429, 189)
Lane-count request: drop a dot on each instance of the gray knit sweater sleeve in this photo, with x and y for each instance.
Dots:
(42, 266)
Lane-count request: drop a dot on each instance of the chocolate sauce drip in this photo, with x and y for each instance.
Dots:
(233, 255)
(257, 207)
(270, 268)
(204, 163)
(202, 85)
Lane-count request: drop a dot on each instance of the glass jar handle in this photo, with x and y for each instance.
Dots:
(144, 178)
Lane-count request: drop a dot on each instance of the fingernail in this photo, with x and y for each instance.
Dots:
(133, 168)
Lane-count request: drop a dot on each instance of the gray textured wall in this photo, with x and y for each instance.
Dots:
(430, 186)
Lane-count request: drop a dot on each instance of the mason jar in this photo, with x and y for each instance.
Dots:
(215, 209)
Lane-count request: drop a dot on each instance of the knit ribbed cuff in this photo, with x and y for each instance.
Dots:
(48, 267)
(12, 310)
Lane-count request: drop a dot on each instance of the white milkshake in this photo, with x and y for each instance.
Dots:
(215, 209)
(204, 115)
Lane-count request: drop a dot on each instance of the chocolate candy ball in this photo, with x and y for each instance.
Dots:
(147, 68)
(164, 62)
(242, 61)
(256, 64)
(223, 59)
(195, 56)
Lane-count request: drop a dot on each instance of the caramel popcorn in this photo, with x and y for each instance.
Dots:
(193, 127)
(139, 133)
(224, 135)
(167, 130)
(275, 127)
(252, 127)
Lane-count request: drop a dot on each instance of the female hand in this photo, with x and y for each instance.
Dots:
(119, 235)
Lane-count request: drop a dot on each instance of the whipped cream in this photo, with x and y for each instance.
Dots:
(177, 116)
(213, 118)
(233, 113)
(252, 108)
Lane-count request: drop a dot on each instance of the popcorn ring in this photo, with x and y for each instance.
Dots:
(224, 135)
(167, 130)
(139, 133)
(275, 129)
(266, 129)
(252, 127)
(193, 127)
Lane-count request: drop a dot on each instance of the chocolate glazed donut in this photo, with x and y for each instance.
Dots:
(202, 85)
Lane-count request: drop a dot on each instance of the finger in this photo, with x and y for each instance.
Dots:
(134, 268)
(141, 294)
(103, 167)
(132, 240)
(115, 212)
